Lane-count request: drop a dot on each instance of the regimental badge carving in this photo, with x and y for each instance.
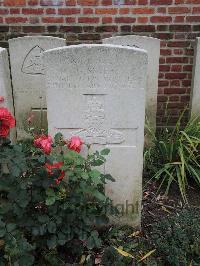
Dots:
(32, 63)
(96, 131)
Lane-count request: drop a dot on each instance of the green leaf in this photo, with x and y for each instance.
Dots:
(94, 173)
(50, 201)
(52, 242)
(2, 232)
(105, 152)
(10, 227)
(51, 227)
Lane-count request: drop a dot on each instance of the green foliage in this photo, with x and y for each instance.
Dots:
(38, 218)
(174, 156)
(177, 239)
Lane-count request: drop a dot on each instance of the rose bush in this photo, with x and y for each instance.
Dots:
(7, 122)
(52, 200)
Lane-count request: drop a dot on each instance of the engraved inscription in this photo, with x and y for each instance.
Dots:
(32, 63)
(96, 131)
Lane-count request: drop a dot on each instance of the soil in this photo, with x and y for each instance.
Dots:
(156, 206)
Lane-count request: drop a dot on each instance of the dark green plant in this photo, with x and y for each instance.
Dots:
(43, 222)
(177, 239)
(174, 156)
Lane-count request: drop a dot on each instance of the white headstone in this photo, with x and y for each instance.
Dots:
(27, 71)
(5, 85)
(195, 99)
(152, 46)
(98, 93)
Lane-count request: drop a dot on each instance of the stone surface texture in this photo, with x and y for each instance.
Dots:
(27, 71)
(195, 101)
(5, 85)
(98, 93)
(152, 46)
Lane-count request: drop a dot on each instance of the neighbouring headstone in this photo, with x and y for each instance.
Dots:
(27, 71)
(5, 85)
(152, 46)
(98, 93)
(195, 98)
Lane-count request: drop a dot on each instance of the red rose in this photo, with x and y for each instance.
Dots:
(75, 144)
(1, 99)
(7, 121)
(43, 142)
(50, 167)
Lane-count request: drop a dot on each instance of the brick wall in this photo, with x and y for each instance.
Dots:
(175, 22)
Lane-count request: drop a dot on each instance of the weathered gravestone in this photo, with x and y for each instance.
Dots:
(98, 93)
(195, 100)
(27, 71)
(5, 85)
(152, 46)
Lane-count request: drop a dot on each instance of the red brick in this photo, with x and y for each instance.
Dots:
(33, 2)
(174, 98)
(179, 19)
(125, 20)
(161, 10)
(161, 2)
(162, 98)
(50, 11)
(33, 29)
(142, 20)
(89, 36)
(143, 10)
(176, 68)
(178, 51)
(51, 2)
(164, 68)
(188, 68)
(178, 44)
(52, 20)
(75, 29)
(193, 19)
(34, 20)
(142, 2)
(110, 28)
(14, 2)
(192, 1)
(88, 20)
(142, 28)
(106, 11)
(180, 28)
(165, 52)
(70, 20)
(4, 11)
(186, 83)
(106, 2)
(178, 10)
(14, 11)
(14, 20)
(174, 91)
(124, 11)
(88, 2)
(107, 20)
(129, 2)
(161, 19)
(87, 11)
(32, 11)
(68, 11)
(70, 2)
(196, 10)
(177, 59)
(175, 75)
(125, 28)
(178, 2)
(185, 98)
